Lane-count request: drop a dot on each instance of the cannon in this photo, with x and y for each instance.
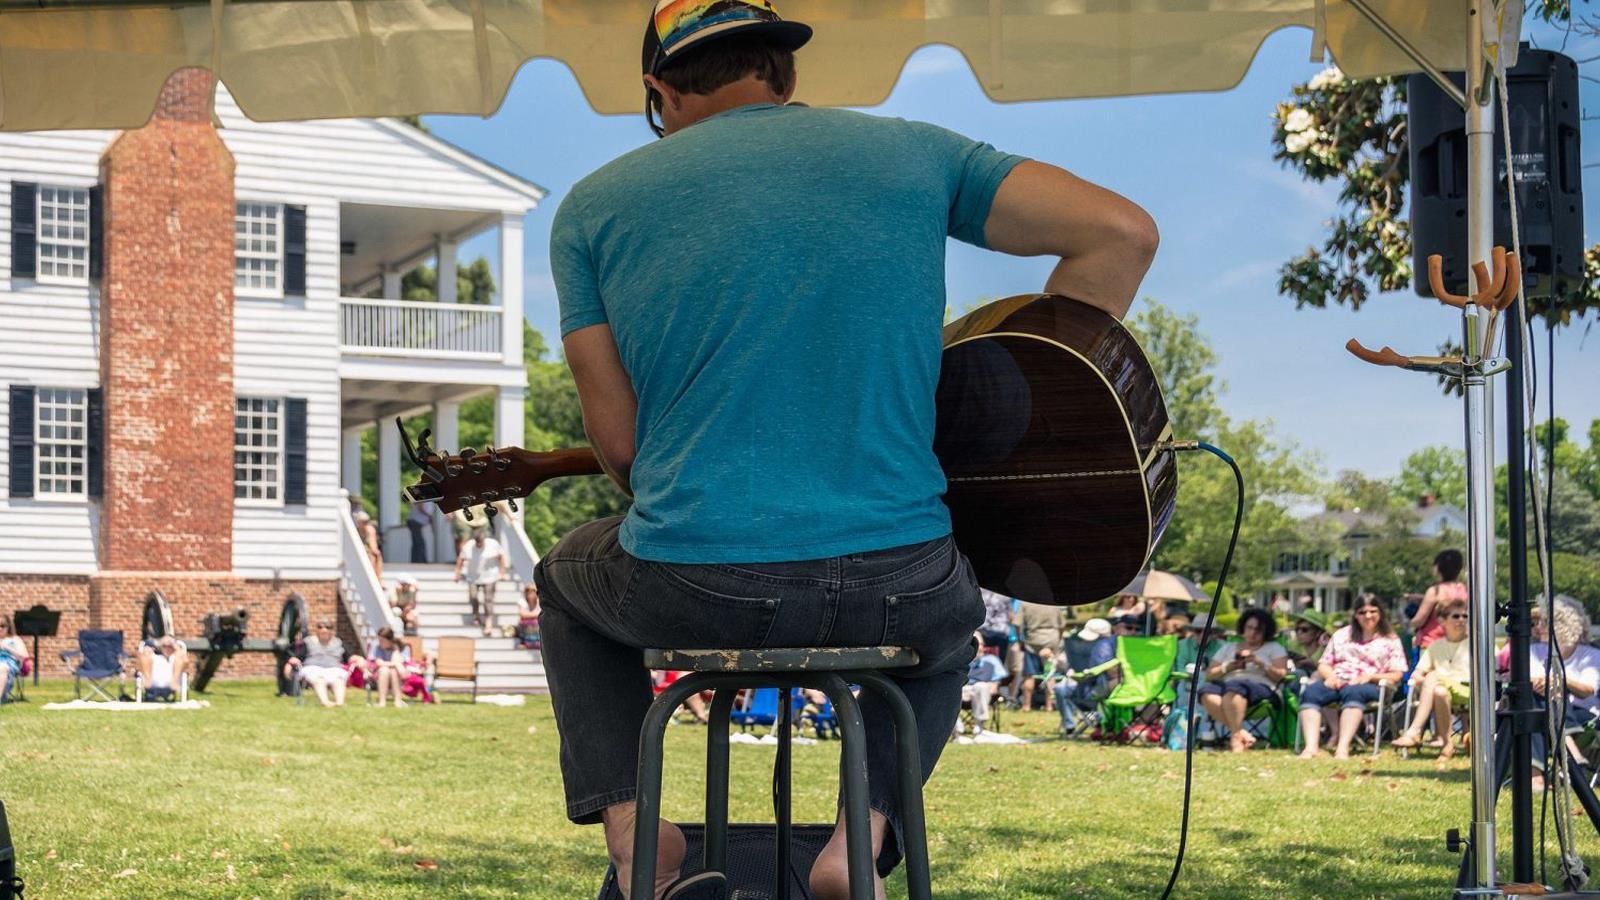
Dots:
(225, 634)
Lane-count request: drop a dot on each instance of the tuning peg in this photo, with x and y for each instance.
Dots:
(499, 460)
(466, 513)
(490, 511)
(422, 442)
(511, 504)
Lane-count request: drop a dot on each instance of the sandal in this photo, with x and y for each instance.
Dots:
(699, 886)
(1404, 742)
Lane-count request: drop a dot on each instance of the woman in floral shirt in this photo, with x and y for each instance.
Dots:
(1361, 656)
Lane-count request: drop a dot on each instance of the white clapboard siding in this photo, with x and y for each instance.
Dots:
(48, 338)
(358, 161)
(290, 348)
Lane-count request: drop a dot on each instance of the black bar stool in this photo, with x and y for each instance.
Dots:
(828, 669)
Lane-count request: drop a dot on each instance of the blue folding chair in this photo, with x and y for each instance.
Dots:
(823, 721)
(100, 658)
(760, 708)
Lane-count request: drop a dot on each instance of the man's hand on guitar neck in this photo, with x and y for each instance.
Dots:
(1106, 242)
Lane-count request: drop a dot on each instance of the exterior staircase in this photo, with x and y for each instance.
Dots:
(442, 609)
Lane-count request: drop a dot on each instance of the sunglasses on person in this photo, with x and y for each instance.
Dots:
(1305, 628)
(1461, 616)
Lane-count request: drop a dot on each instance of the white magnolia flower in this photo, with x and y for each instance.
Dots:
(1299, 141)
(1325, 79)
(1298, 120)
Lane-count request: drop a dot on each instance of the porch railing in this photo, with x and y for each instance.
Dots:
(364, 597)
(419, 328)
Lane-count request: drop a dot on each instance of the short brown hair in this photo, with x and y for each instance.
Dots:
(720, 63)
(1454, 604)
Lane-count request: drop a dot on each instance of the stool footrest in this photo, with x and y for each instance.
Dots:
(783, 659)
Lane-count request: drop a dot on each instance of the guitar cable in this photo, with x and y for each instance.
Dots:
(1205, 640)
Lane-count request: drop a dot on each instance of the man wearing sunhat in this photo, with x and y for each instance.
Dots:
(751, 308)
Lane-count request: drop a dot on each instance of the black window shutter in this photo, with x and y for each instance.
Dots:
(294, 251)
(24, 230)
(294, 451)
(21, 440)
(97, 443)
(97, 232)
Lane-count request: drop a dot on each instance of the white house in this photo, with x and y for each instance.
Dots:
(191, 361)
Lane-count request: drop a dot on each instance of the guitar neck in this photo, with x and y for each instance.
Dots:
(542, 466)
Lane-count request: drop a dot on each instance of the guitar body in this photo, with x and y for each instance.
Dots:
(1049, 423)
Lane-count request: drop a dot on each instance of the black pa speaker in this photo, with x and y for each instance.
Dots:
(1542, 91)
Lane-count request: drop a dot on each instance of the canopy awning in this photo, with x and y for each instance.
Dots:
(101, 63)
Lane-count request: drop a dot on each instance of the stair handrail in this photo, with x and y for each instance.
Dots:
(520, 552)
(365, 600)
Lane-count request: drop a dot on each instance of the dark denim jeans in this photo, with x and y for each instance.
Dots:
(602, 606)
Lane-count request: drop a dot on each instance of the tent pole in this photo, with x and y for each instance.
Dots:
(1478, 402)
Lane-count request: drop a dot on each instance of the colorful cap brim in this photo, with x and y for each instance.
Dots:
(675, 26)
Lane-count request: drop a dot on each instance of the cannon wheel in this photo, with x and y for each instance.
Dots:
(294, 623)
(157, 619)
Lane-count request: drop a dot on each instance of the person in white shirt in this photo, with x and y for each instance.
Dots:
(1244, 673)
(161, 664)
(481, 564)
(1580, 665)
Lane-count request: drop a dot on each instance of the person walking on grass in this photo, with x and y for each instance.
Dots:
(481, 563)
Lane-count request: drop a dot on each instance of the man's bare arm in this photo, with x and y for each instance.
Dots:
(606, 394)
(1106, 242)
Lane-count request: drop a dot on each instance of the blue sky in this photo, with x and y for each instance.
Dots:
(1200, 163)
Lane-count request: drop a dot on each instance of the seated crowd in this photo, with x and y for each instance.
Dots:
(390, 666)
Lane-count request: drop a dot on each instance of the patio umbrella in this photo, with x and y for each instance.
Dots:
(101, 63)
(1158, 585)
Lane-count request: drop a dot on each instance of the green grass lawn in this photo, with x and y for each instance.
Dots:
(258, 797)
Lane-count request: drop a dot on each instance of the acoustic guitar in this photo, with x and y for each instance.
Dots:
(1051, 431)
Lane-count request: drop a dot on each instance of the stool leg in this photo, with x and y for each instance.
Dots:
(853, 775)
(913, 827)
(782, 809)
(716, 848)
(647, 803)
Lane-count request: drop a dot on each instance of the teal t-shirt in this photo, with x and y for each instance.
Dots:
(774, 279)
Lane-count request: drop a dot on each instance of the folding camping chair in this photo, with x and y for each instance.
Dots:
(757, 707)
(457, 660)
(100, 658)
(1145, 689)
(1378, 720)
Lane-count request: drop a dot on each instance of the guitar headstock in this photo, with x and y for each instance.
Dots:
(469, 478)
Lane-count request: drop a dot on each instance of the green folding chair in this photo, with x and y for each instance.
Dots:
(1146, 666)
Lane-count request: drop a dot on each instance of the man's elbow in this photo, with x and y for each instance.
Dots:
(1139, 236)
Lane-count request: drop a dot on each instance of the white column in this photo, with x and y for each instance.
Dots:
(446, 254)
(511, 290)
(447, 438)
(350, 459)
(391, 284)
(509, 421)
(388, 478)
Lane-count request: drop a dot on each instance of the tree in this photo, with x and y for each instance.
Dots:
(1197, 538)
(1353, 132)
(1395, 567)
(1437, 470)
(1576, 576)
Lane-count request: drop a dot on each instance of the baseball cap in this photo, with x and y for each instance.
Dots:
(1093, 630)
(677, 25)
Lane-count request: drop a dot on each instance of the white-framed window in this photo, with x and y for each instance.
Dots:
(258, 450)
(63, 235)
(258, 249)
(61, 443)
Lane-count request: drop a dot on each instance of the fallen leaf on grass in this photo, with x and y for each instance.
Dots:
(1339, 776)
(50, 855)
(1365, 773)
(267, 761)
(1266, 773)
(386, 842)
(126, 873)
(232, 875)
(994, 768)
(218, 854)
(1170, 775)
(426, 865)
(1309, 782)
(533, 729)
(1392, 786)
(1103, 767)
(285, 846)
(404, 849)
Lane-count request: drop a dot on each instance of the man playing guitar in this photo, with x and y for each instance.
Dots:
(751, 308)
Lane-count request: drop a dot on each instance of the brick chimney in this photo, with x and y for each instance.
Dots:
(166, 339)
